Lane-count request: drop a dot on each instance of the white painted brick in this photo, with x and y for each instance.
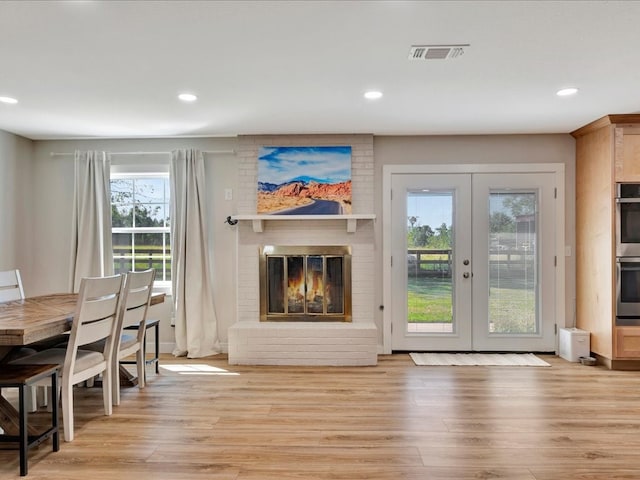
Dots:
(304, 344)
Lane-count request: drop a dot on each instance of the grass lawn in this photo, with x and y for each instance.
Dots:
(429, 300)
(512, 310)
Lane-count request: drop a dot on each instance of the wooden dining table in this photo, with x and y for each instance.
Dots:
(33, 319)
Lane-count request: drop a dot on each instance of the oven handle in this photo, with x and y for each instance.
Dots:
(627, 200)
(633, 260)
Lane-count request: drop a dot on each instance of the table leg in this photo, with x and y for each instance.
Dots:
(127, 379)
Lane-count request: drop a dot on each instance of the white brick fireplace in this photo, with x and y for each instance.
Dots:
(252, 342)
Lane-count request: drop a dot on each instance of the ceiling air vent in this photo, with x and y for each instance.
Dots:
(436, 52)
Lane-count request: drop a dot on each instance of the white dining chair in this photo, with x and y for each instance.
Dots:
(134, 305)
(11, 289)
(11, 286)
(95, 318)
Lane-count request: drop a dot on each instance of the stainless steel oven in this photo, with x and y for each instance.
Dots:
(628, 220)
(628, 291)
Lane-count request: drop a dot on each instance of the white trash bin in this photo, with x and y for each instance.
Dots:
(574, 343)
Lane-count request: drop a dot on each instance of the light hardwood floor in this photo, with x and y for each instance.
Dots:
(203, 419)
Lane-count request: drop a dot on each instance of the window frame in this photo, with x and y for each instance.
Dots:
(159, 286)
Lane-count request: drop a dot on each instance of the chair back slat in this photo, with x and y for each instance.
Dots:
(94, 331)
(99, 308)
(96, 315)
(11, 286)
(138, 286)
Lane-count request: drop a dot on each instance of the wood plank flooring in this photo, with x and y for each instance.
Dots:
(203, 419)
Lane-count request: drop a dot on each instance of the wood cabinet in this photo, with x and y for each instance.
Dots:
(627, 342)
(627, 153)
(607, 151)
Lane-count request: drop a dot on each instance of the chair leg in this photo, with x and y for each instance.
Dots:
(140, 362)
(43, 396)
(157, 345)
(32, 398)
(52, 397)
(115, 383)
(67, 409)
(107, 392)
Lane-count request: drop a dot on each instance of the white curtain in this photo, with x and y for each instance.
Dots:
(195, 319)
(91, 249)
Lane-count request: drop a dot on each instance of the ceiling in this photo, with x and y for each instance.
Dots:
(114, 69)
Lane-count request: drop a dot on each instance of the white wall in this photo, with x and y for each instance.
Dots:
(15, 202)
(31, 180)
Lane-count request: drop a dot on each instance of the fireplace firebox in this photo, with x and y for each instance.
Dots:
(305, 283)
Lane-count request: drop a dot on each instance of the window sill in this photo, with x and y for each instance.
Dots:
(166, 289)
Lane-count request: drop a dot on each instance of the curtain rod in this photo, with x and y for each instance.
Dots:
(211, 152)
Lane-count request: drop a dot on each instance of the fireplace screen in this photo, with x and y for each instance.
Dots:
(307, 284)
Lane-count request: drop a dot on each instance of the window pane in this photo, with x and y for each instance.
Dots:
(512, 263)
(429, 240)
(122, 216)
(121, 190)
(141, 202)
(150, 215)
(122, 203)
(150, 190)
(148, 251)
(122, 252)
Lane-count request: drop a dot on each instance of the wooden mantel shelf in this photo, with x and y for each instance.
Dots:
(258, 220)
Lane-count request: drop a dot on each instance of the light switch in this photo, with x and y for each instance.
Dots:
(228, 194)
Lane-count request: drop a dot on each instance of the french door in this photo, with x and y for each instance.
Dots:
(473, 262)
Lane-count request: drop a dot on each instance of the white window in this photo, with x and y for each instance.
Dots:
(140, 212)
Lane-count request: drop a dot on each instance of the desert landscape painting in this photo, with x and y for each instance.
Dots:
(304, 180)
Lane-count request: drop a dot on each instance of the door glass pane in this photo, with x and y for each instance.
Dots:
(429, 259)
(512, 263)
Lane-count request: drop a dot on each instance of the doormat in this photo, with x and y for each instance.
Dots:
(490, 359)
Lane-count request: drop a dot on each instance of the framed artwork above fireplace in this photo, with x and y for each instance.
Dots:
(304, 180)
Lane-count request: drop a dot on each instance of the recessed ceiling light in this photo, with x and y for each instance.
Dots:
(187, 97)
(565, 92)
(8, 100)
(373, 95)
